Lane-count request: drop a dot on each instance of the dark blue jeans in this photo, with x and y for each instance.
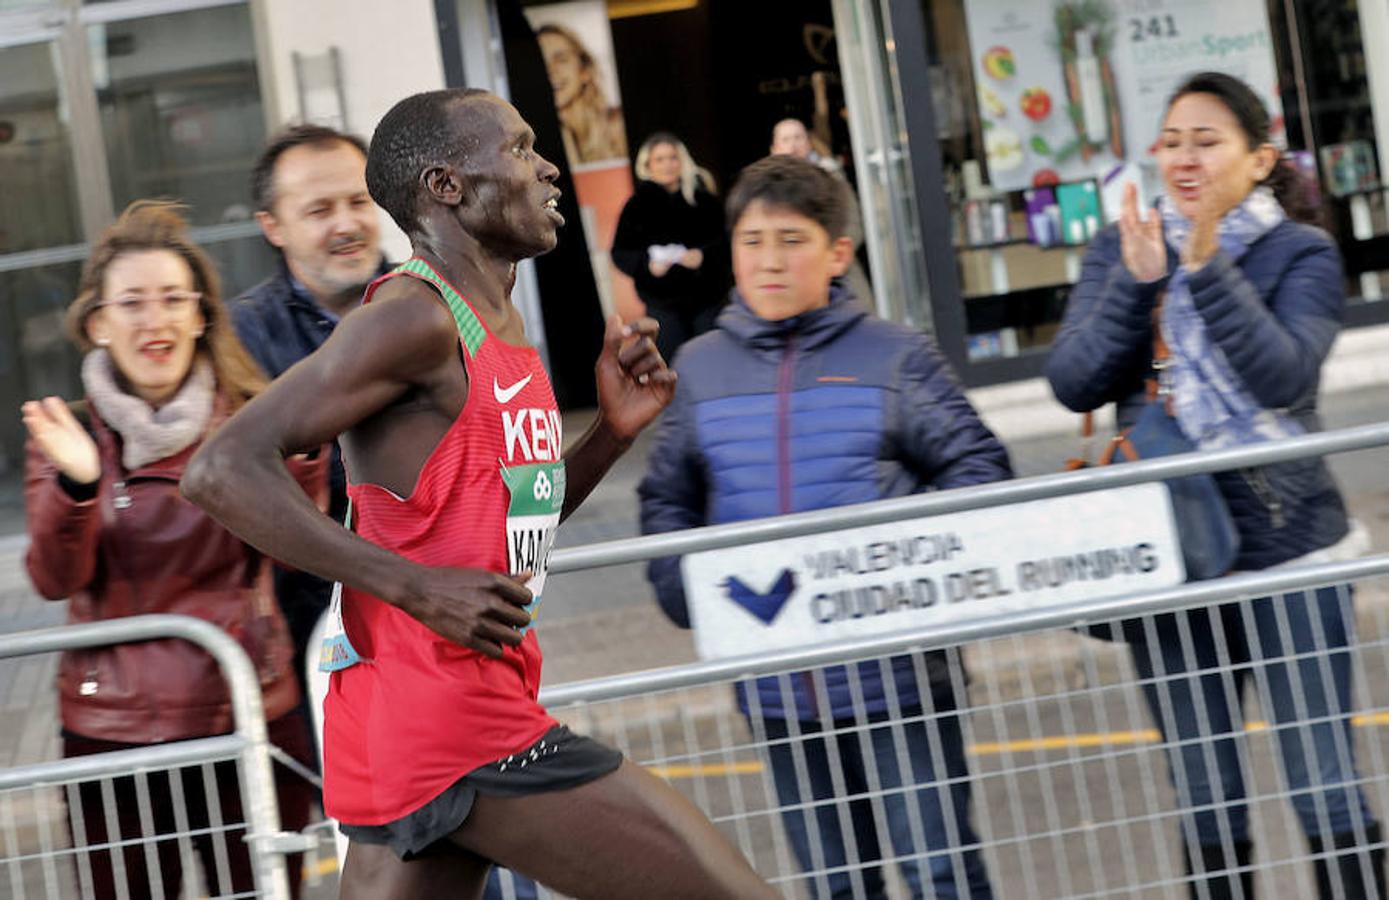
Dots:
(926, 825)
(1308, 700)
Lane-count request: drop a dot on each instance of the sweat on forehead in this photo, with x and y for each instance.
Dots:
(486, 122)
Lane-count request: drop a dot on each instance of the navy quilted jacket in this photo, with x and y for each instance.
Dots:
(1274, 315)
(825, 409)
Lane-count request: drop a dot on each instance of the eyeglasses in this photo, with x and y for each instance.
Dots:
(174, 304)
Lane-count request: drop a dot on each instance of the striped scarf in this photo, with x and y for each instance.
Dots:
(1209, 399)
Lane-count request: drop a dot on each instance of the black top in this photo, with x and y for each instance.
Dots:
(654, 215)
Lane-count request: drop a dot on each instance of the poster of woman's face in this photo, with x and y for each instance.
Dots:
(576, 43)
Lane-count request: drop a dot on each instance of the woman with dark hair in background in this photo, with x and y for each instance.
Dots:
(1248, 301)
(109, 530)
(670, 240)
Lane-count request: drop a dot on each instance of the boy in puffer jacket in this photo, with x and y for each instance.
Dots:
(800, 400)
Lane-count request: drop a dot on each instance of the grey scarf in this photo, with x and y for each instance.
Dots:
(150, 434)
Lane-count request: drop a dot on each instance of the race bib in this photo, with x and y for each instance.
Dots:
(536, 499)
(337, 651)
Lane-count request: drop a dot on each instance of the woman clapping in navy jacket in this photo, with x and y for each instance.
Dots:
(1248, 301)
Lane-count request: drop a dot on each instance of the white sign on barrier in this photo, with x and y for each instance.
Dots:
(933, 570)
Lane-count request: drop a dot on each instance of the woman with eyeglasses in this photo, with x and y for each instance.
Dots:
(109, 531)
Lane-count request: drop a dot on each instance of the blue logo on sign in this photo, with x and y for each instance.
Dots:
(766, 606)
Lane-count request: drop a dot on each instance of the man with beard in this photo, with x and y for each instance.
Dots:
(438, 758)
(310, 192)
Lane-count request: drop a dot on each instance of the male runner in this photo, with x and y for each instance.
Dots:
(438, 758)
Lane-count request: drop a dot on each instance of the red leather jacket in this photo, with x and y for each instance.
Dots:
(139, 547)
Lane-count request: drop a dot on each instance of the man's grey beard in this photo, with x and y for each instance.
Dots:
(355, 285)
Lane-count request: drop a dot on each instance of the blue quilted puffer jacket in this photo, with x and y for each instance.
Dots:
(825, 409)
(1274, 315)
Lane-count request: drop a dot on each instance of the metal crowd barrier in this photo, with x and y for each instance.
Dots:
(45, 826)
(1072, 786)
(1001, 493)
(1066, 771)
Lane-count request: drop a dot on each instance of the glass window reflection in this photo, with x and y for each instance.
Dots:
(180, 109)
(36, 172)
(36, 357)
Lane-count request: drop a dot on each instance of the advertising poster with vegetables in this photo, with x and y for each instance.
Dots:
(1071, 89)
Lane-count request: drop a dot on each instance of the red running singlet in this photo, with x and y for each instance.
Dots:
(418, 712)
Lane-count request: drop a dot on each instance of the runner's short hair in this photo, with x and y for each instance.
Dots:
(417, 133)
(786, 182)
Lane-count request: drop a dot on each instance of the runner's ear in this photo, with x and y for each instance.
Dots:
(443, 184)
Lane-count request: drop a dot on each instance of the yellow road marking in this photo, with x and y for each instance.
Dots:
(1064, 742)
(1379, 718)
(1119, 738)
(748, 767)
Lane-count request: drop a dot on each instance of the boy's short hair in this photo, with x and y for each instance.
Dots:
(788, 182)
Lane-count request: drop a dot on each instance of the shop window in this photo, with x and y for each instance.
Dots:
(1331, 111)
(40, 210)
(36, 357)
(180, 109)
(181, 117)
(36, 171)
(1043, 113)
(161, 106)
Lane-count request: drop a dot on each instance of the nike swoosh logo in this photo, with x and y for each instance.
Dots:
(504, 395)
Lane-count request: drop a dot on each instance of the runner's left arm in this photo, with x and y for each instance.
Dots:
(399, 343)
(634, 385)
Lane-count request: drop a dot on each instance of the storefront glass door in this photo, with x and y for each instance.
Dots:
(40, 211)
(887, 195)
(1024, 120)
(102, 104)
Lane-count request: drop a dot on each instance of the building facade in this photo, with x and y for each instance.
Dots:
(977, 134)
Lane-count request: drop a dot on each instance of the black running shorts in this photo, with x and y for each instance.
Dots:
(561, 759)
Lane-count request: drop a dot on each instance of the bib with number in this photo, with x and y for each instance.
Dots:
(537, 497)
